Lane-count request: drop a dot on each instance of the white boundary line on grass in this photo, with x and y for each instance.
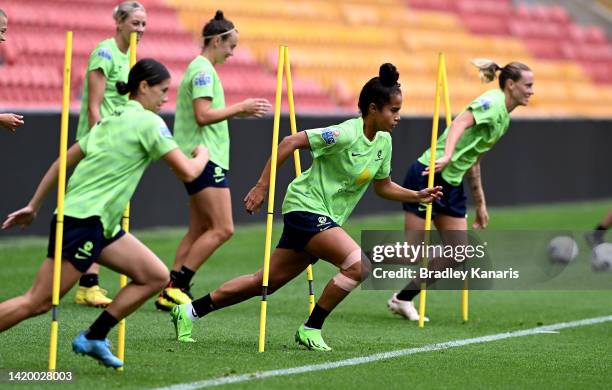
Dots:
(384, 355)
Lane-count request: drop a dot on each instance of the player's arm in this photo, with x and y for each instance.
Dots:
(254, 199)
(387, 189)
(24, 217)
(97, 85)
(186, 169)
(205, 115)
(462, 122)
(475, 183)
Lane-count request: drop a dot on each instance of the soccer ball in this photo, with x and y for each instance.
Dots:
(601, 257)
(562, 249)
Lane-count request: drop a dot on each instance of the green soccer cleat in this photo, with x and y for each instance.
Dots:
(182, 324)
(311, 339)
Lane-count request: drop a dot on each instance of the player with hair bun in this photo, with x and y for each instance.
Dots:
(346, 158)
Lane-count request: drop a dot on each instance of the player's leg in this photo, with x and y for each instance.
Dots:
(596, 236)
(337, 247)
(37, 300)
(148, 274)
(285, 264)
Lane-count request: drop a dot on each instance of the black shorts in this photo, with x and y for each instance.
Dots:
(83, 240)
(212, 176)
(452, 202)
(300, 227)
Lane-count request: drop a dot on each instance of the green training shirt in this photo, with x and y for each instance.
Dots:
(201, 81)
(491, 123)
(116, 155)
(344, 163)
(116, 67)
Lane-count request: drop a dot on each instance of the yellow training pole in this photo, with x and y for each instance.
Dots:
(125, 224)
(269, 221)
(298, 167)
(430, 182)
(447, 110)
(61, 188)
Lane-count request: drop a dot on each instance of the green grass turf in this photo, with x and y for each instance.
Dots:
(577, 357)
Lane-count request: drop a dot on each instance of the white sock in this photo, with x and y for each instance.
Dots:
(191, 312)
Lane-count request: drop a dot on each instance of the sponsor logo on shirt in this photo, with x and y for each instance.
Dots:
(329, 136)
(485, 103)
(202, 79)
(105, 53)
(164, 131)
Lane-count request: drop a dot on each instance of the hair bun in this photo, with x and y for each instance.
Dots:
(122, 87)
(219, 15)
(388, 75)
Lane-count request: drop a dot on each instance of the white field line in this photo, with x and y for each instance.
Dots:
(384, 355)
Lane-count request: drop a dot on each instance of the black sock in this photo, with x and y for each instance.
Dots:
(408, 294)
(182, 278)
(317, 317)
(203, 306)
(88, 280)
(101, 326)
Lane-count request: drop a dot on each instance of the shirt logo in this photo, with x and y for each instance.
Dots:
(485, 103)
(164, 131)
(324, 224)
(422, 207)
(84, 252)
(202, 79)
(219, 175)
(329, 136)
(357, 154)
(105, 53)
(379, 155)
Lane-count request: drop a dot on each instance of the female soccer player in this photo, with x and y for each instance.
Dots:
(108, 63)
(346, 158)
(8, 121)
(458, 153)
(201, 118)
(101, 185)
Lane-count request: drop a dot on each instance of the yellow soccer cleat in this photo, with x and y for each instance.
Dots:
(92, 296)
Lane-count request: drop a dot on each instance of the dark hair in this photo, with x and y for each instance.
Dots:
(488, 71)
(379, 89)
(217, 26)
(148, 70)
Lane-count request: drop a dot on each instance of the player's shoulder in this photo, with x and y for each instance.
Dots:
(491, 99)
(105, 49)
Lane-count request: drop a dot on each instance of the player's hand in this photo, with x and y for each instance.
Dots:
(428, 195)
(254, 107)
(440, 164)
(255, 198)
(22, 217)
(482, 218)
(11, 121)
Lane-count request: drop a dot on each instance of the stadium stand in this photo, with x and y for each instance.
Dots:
(335, 46)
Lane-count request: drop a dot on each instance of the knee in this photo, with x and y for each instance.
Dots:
(160, 278)
(224, 232)
(37, 305)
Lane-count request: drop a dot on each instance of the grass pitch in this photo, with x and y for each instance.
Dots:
(360, 326)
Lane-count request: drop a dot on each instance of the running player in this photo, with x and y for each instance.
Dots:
(101, 185)
(201, 118)
(459, 151)
(346, 158)
(108, 63)
(8, 121)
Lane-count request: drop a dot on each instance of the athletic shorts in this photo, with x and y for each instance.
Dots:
(212, 176)
(452, 202)
(83, 241)
(300, 227)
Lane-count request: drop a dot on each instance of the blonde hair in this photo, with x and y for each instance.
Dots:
(2, 13)
(487, 70)
(123, 10)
